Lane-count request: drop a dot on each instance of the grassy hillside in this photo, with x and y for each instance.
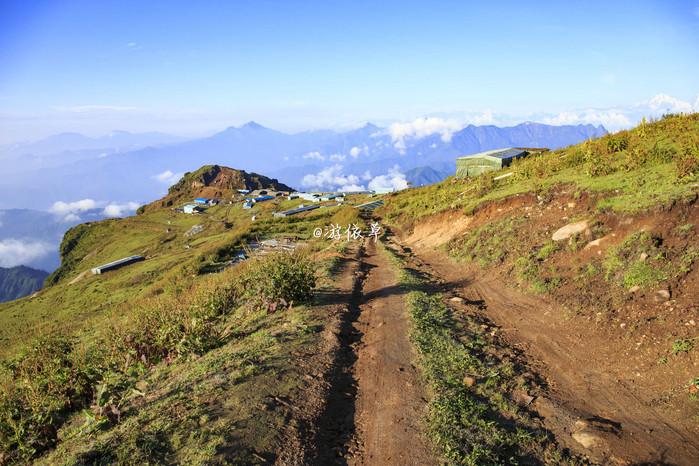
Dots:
(653, 164)
(605, 231)
(133, 350)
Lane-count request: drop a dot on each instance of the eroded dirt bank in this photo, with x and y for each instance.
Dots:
(591, 406)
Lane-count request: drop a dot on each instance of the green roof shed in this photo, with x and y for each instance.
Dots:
(475, 164)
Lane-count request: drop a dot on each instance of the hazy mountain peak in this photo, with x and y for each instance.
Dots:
(253, 125)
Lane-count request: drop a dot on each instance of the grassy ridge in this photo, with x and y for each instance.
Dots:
(158, 362)
(654, 163)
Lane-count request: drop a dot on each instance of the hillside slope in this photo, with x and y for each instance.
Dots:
(548, 317)
(16, 282)
(216, 182)
(585, 265)
(190, 328)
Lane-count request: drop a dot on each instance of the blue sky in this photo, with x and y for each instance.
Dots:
(196, 67)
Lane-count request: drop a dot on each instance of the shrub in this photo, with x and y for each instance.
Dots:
(662, 153)
(484, 183)
(278, 279)
(687, 164)
(595, 162)
(49, 381)
(617, 143)
(166, 328)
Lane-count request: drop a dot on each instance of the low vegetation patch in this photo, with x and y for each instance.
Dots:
(642, 260)
(489, 244)
(55, 377)
(684, 345)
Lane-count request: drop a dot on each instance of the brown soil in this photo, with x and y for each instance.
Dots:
(390, 402)
(364, 403)
(606, 388)
(599, 387)
(439, 230)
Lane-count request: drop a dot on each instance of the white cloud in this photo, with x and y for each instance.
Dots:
(352, 187)
(615, 118)
(355, 151)
(313, 155)
(668, 104)
(333, 178)
(420, 128)
(608, 118)
(485, 118)
(168, 177)
(394, 181)
(71, 218)
(65, 208)
(337, 157)
(120, 210)
(329, 178)
(17, 252)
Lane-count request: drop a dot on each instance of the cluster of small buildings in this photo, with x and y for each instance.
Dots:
(199, 205)
(317, 197)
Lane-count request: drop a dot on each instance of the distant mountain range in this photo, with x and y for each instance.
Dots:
(20, 281)
(126, 169)
(309, 160)
(65, 148)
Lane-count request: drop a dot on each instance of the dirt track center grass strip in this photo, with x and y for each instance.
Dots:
(472, 420)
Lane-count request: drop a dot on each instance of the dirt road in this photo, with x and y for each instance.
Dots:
(581, 369)
(365, 404)
(390, 403)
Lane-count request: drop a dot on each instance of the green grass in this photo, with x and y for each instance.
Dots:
(159, 346)
(490, 244)
(683, 346)
(649, 170)
(642, 260)
(208, 410)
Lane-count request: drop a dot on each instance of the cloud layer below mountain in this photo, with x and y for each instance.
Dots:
(18, 252)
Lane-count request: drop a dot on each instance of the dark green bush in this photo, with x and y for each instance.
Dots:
(617, 143)
(278, 279)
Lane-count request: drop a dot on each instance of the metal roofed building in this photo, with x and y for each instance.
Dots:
(373, 205)
(116, 264)
(298, 210)
(191, 209)
(475, 164)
